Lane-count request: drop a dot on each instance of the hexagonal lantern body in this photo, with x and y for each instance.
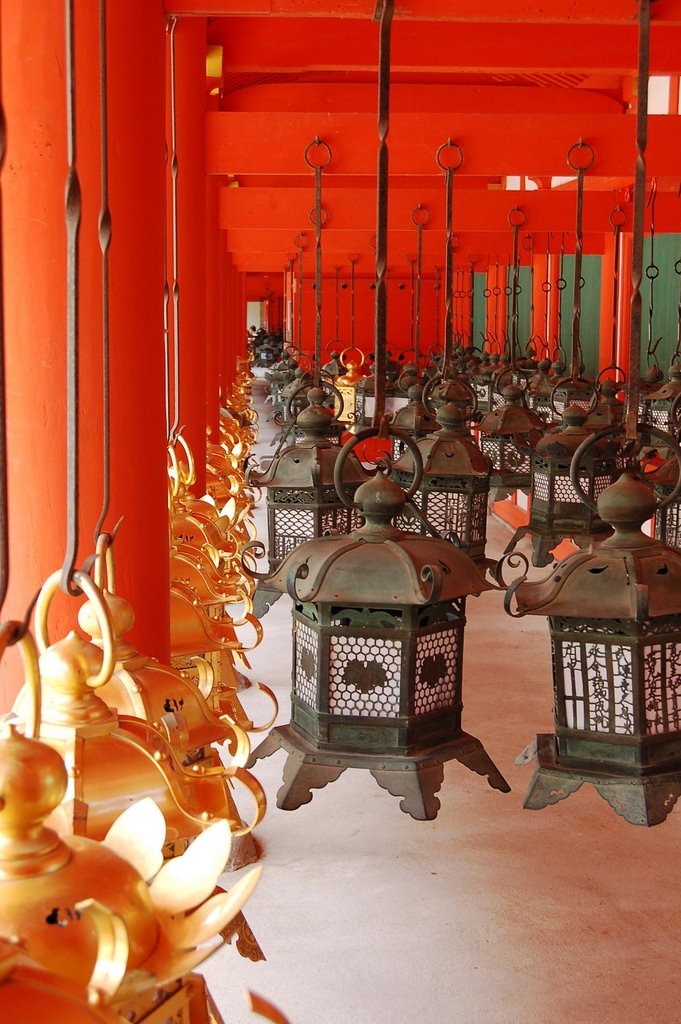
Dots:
(414, 419)
(615, 621)
(668, 517)
(556, 509)
(454, 491)
(378, 624)
(658, 404)
(509, 434)
(302, 502)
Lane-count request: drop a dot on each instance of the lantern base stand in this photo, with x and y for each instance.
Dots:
(414, 777)
(263, 599)
(639, 799)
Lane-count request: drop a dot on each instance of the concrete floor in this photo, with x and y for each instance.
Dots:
(490, 913)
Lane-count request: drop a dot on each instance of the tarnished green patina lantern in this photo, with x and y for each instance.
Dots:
(413, 419)
(508, 435)
(540, 390)
(453, 493)
(378, 629)
(658, 404)
(615, 621)
(302, 502)
(556, 509)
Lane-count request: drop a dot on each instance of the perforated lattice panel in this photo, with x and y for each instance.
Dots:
(436, 678)
(597, 679)
(662, 673)
(659, 417)
(292, 527)
(540, 487)
(672, 525)
(398, 448)
(448, 510)
(505, 456)
(478, 517)
(306, 661)
(364, 676)
(335, 520)
(408, 520)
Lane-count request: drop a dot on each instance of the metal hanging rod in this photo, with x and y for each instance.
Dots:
(73, 207)
(104, 232)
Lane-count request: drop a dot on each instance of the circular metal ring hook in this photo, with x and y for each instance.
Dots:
(516, 217)
(580, 147)
(617, 217)
(319, 145)
(642, 430)
(324, 215)
(449, 146)
(363, 435)
(301, 241)
(420, 216)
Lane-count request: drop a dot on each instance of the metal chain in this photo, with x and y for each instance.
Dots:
(172, 25)
(412, 312)
(516, 219)
(72, 216)
(437, 305)
(633, 391)
(652, 272)
(299, 311)
(471, 292)
(677, 270)
(380, 327)
(547, 288)
(449, 171)
(617, 220)
(496, 291)
(580, 168)
(104, 232)
(337, 306)
(560, 286)
(420, 217)
(318, 221)
(352, 257)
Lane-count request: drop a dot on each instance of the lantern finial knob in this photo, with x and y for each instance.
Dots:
(626, 505)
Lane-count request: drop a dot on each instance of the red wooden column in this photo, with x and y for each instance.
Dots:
(35, 305)
(190, 103)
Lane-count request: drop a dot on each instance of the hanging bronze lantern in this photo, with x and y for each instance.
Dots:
(556, 509)
(301, 499)
(615, 620)
(413, 419)
(378, 625)
(658, 403)
(508, 435)
(452, 496)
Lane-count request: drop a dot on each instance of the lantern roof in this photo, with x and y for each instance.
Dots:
(378, 565)
(449, 451)
(562, 442)
(628, 576)
(513, 418)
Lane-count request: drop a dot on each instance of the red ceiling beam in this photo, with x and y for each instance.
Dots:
(337, 244)
(270, 46)
(474, 99)
(546, 210)
(604, 12)
(493, 144)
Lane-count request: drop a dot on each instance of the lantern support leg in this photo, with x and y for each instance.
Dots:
(639, 799)
(416, 778)
(418, 788)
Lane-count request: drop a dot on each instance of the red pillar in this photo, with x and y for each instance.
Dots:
(35, 304)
